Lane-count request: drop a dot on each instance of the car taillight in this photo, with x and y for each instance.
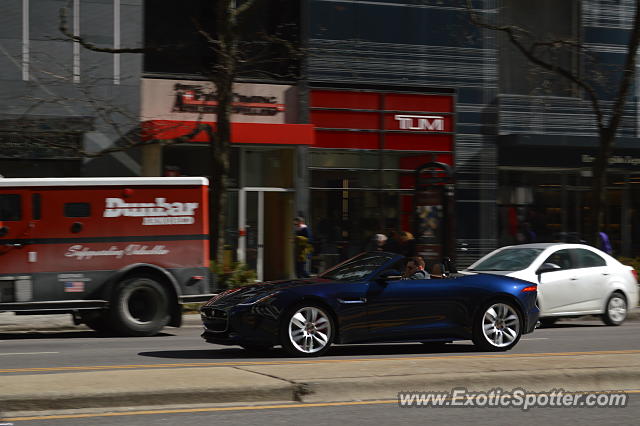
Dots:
(635, 275)
(530, 288)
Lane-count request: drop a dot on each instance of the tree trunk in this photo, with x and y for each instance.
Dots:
(599, 187)
(225, 72)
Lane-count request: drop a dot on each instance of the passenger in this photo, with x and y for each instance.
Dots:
(414, 269)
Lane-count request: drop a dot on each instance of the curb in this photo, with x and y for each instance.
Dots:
(602, 379)
(330, 390)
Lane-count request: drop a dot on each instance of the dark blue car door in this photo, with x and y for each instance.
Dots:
(351, 310)
(414, 310)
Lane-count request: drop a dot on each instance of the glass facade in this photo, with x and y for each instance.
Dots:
(545, 205)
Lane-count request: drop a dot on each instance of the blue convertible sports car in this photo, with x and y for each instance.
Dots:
(363, 300)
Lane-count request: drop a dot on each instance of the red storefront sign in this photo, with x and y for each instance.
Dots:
(378, 120)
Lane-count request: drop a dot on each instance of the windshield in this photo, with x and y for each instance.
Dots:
(511, 259)
(357, 268)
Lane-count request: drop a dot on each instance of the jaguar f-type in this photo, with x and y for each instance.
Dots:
(365, 300)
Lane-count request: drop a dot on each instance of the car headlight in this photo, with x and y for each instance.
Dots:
(260, 299)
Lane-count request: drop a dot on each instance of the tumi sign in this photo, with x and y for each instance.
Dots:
(429, 123)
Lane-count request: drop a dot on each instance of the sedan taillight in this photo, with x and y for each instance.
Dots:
(635, 274)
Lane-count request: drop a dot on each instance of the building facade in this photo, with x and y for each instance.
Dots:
(58, 99)
(336, 134)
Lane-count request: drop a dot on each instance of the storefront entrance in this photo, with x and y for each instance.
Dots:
(265, 239)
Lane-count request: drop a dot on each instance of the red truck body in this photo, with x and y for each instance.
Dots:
(120, 254)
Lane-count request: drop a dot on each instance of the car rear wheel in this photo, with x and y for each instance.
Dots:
(615, 311)
(498, 327)
(140, 307)
(307, 330)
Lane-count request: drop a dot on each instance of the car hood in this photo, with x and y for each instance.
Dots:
(523, 274)
(240, 294)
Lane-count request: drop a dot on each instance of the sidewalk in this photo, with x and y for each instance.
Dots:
(9, 322)
(318, 380)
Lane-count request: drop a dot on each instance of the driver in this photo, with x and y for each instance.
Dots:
(414, 269)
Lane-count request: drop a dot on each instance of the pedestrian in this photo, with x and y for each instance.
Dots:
(303, 247)
(605, 243)
(407, 244)
(401, 242)
(414, 269)
(377, 243)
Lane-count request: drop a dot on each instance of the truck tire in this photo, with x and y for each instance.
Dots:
(140, 307)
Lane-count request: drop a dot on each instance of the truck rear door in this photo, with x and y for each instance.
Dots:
(15, 258)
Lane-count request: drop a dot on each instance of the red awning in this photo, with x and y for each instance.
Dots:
(255, 133)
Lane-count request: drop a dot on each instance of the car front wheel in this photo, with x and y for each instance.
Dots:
(615, 311)
(498, 327)
(307, 330)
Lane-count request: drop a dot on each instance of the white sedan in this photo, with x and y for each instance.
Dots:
(573, 279)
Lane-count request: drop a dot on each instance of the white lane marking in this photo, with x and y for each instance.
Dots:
(28, 353)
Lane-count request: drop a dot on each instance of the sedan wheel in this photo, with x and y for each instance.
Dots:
(616, 310)
(497, 328)
(308, 331)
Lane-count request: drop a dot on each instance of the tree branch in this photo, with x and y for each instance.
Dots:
(515, 33)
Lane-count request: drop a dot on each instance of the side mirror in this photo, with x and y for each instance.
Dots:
(547, 267)
(390, 275)
(3, 231)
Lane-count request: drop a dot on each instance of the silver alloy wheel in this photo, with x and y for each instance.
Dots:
(617, 308)
(309, 330)
(500, 325)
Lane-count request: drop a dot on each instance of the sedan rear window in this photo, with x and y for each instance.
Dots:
(510, 259)
(589, 259)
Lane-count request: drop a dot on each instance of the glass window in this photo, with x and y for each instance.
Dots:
(588, 259)
(10, 209)
(562, 258)
(511, 259)
(36, 206)
(77, 210)
(357, 268)
(544, 21)
(266, 30)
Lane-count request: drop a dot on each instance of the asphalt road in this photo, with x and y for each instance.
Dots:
(44, 352)
(360, 413)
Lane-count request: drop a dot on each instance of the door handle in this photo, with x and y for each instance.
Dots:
(353, 301)
(574, 279)
(605, 273)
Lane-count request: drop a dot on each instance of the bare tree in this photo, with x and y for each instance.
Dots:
(233, 53)
(541, 53)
